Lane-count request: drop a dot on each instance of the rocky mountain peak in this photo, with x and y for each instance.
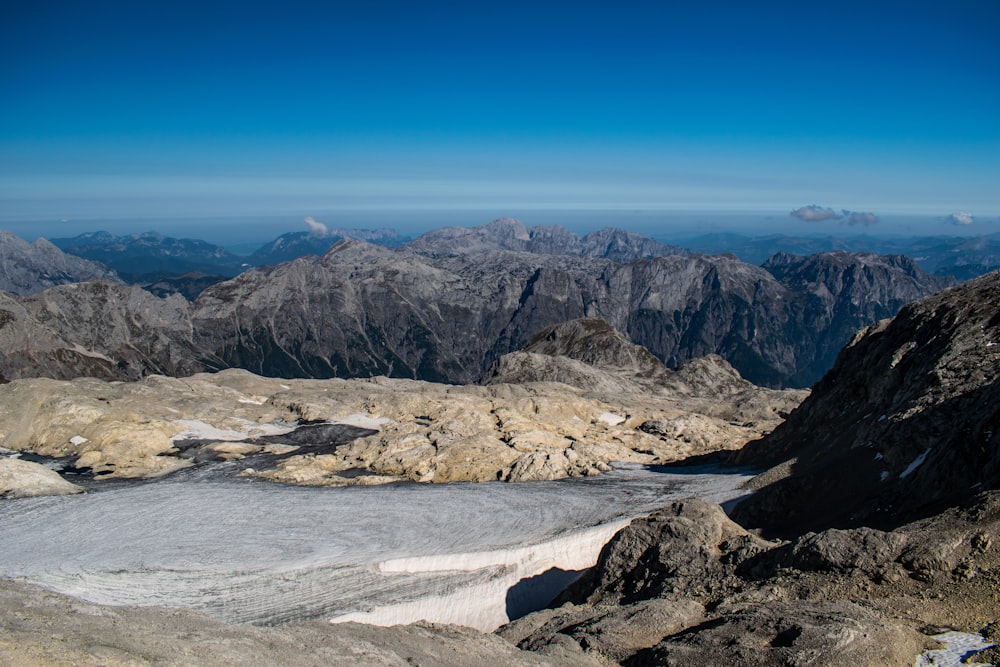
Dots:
(593, 341)
(508, 228)
(28, 268)
(906, 422)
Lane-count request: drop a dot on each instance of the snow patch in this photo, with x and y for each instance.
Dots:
(610, 418)
(958, 645)
(484, 605)
(917, 462)
(362, 420)
(77, 440)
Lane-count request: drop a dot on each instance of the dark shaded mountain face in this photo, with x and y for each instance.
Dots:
(293, 245)
(957, 256)
(838, 292)
(366, 310)
(906, 423)
(510, 234)
(28, 268)
(145, 258)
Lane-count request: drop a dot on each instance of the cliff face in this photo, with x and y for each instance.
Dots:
(366, 310)
(449, 305)
(97, 329)
(904, 424)
(838, 291)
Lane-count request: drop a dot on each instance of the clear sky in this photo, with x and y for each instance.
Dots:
(177, 109)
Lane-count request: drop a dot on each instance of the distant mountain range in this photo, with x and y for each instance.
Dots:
(958, 256)
(446, 309)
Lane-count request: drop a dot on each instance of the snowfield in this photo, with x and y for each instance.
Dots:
(251, 551)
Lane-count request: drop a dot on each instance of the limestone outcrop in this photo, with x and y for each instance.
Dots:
(25, 479)
(402, 429)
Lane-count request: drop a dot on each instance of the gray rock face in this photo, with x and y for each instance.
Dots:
(97, 329)
(905, 424)
(828, 634)
(839, 290)
(685, 585)
(28, 268)
(366, 310)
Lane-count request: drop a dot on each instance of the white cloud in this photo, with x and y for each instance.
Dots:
(315, 228)
(859, 218)
(960, 218)
(815, 213)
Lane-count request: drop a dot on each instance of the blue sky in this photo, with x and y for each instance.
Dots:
(199, 109)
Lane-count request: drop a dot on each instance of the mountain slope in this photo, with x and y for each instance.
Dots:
(905, 423)
(28, 268)
(367, 310)
(97, 329)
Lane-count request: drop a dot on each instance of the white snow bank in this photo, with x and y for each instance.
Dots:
(485, 605)
(610, 418)
(362, 420)
(205, 431)
(956, 646)
(917, 462)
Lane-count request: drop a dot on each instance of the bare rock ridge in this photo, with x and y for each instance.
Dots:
(591, 355)
(367, 310)
(905, 423)
(97, 329)
(28, 268)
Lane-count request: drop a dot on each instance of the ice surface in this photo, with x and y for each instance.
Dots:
(610, 418)
(252, 551)
(957, 645)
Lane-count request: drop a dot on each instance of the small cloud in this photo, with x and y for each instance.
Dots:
(815, 213)
(315, 228)
(859, 218)
(960, 218)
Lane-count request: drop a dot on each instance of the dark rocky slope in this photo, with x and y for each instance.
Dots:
(905, 423)
(29, 268)
(97, 329)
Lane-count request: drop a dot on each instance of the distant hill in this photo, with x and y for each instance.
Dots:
(293, 245)
(961, 257)
(147, 257)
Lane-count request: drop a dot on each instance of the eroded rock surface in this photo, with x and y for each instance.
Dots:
(24, 479)
(403, 429)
